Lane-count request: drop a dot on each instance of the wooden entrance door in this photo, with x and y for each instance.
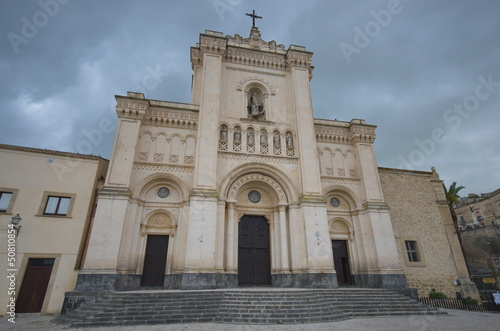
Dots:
(341, 262)
(34, 286)
(254, 259)
(155, 261)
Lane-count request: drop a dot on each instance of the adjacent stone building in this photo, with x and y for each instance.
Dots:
(242, 186)
(479, 210)
(420, 214)
(54, 193)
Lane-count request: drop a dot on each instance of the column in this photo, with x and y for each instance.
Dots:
(230, 242)
(278, 265)
(285, 266)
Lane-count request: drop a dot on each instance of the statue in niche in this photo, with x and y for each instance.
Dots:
(276, 139)
(237, 135)
(254, 108)
(263, 137)
(250, 137)
(289, 140)
(223, 133)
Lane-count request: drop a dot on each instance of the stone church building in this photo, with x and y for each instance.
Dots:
(244, 187)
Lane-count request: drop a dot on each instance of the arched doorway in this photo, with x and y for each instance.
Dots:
(339, 210)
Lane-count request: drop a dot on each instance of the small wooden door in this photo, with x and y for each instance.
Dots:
(254, 259)
(155, 261)
(341, 262)
(34, 286)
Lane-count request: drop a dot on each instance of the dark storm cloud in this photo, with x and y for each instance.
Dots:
(59, 86)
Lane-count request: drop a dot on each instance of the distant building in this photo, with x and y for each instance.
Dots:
(55, 195)
(479, 210)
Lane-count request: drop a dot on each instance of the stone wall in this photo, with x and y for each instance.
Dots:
(415, 216)
(481, 248)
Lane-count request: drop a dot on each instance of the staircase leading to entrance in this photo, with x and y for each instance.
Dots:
(252, 306)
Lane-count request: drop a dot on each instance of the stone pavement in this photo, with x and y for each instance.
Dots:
(455, 320)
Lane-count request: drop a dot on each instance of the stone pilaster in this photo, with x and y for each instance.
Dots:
(203, 252)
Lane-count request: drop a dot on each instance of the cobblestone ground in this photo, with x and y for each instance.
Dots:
(455, 320)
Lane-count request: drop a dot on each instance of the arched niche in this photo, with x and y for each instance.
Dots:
(339, 227)
(267, 173)
(255, 100)
(147, 189)
(340, 198)
(158, 222)
(257, 180)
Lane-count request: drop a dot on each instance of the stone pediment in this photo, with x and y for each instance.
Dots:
(254, 41)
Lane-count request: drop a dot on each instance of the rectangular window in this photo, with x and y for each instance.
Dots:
(411, 250)
(4, 201)
(57, 206)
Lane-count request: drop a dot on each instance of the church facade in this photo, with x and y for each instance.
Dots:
(243, 187)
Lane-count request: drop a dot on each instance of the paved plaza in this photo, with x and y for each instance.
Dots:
(455, 320)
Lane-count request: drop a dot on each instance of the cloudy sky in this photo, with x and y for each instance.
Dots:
(427, 73)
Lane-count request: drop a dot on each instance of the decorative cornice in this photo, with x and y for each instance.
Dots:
(343, 132)
(251, 51)
(254, 41)
(255, 58)
(212, 43)
(297, 56)
(160, 168)
(375, 206)
(335, 135)
(169, 118)
(312, 199)
(130, 110)
(338, 181)
(112, 192)
(362, 134)
(256, 71)
(258, 158)
(204, 193)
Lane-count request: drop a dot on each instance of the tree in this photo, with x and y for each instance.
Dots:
(453, 199)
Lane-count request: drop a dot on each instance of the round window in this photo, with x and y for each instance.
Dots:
(163, 192)
(254, 196)
(335, 202)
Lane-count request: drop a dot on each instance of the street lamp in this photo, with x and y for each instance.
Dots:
(16, 219)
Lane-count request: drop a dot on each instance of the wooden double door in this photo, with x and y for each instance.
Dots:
(155, 261)
(254, 258)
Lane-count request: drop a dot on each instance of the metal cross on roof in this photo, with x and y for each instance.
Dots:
(253, 16)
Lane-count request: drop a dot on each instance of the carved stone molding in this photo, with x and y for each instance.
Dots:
(258, 158)
(233, 191)
(261, 80)
(339, 181)
(157, 168)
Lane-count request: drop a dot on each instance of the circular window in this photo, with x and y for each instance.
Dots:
(335, 202)
(163, 192)
(254, 196)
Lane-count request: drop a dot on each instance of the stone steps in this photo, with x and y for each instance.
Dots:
(252, 306)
